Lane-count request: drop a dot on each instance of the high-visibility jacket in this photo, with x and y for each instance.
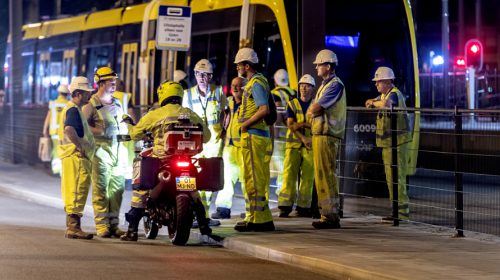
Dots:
(248, 107)
(156, 122)
(56, 107)
(211, 112)
(124, 99)
(107, 117)
(284, 93)
(66, 147)
(332, 121)
(233, 129)
(292, 141)
(383, 133)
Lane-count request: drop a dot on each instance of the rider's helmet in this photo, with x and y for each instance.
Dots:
(169, 89)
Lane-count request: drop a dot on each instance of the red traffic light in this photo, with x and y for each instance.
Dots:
(474, 54)
(474, 48)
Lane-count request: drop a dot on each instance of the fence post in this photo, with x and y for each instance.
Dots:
(394, 167)
(459, 187)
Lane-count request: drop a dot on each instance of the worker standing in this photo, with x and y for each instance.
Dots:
(298, 164)
(282, 93)
(51, 125)
(328, 118)
(76, 151)
(255, 140)
(231, 153)
(391, 96)
(104, 114)
(208, 101)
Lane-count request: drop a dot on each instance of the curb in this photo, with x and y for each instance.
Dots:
(317, 265)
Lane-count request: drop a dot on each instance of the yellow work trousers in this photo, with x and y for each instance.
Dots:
(75, 183)
(403, 200)
(256, 176)
(277, 162)
(108, 183)
(297, 162)
(232, 162)
(55, 162)
(325, 149)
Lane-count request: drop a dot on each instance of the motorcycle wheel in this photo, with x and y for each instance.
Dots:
(150, 228)
(183, 219)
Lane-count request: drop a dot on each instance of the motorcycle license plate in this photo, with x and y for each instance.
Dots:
(185, 183)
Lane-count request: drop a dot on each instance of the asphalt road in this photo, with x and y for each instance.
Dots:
(32, 246)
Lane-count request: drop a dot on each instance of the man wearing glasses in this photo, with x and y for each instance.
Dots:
(208, 101)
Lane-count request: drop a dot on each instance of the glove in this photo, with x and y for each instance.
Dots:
(127, 119)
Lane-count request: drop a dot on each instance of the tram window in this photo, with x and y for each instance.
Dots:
(56, 74)
(382, 37)
(267, 42)
(27, 79)
(97, 57)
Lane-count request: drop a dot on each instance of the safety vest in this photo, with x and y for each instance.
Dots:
(233, 130)
(56, 108)
(292, 141)
(124, 99)
(248, 107)
(383, 134)
(66, 147)
(332, 121)
(109, 118)
(211, 112)
(284, 93)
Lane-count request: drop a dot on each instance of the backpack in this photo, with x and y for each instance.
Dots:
(271, 118)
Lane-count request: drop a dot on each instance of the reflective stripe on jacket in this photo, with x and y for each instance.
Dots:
(66, 147)
(384, 134)
(332, 121)
(292, 141)
(248, 107)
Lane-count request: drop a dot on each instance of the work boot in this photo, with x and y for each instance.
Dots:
(267, 226)
(133, 217)
(115, 231)
(284, 211)
(243, 226)
(222, 213)
(325, 224)
(213, 223)
(303, 212)
(74, 230)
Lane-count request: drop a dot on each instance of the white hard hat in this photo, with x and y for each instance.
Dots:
(383, 73)
(179, 75)
(80, 83)
(246, 54)
(204, 66)
(281, 77)
(307, 79)
(326, 56)
(63, 88)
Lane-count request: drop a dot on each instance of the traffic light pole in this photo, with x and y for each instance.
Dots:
(471, 87)
(445, 40)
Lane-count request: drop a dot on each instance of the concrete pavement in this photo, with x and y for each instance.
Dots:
(363, 248)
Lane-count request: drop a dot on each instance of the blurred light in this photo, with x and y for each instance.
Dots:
(460, 61)
(5, 67)
(474, 48)
(269, 49)
(342, 41)
(183, 164)
(437, 60)
(432, 54)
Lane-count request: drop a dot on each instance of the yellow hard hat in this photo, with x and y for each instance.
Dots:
(168, 89)
(104, 73)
